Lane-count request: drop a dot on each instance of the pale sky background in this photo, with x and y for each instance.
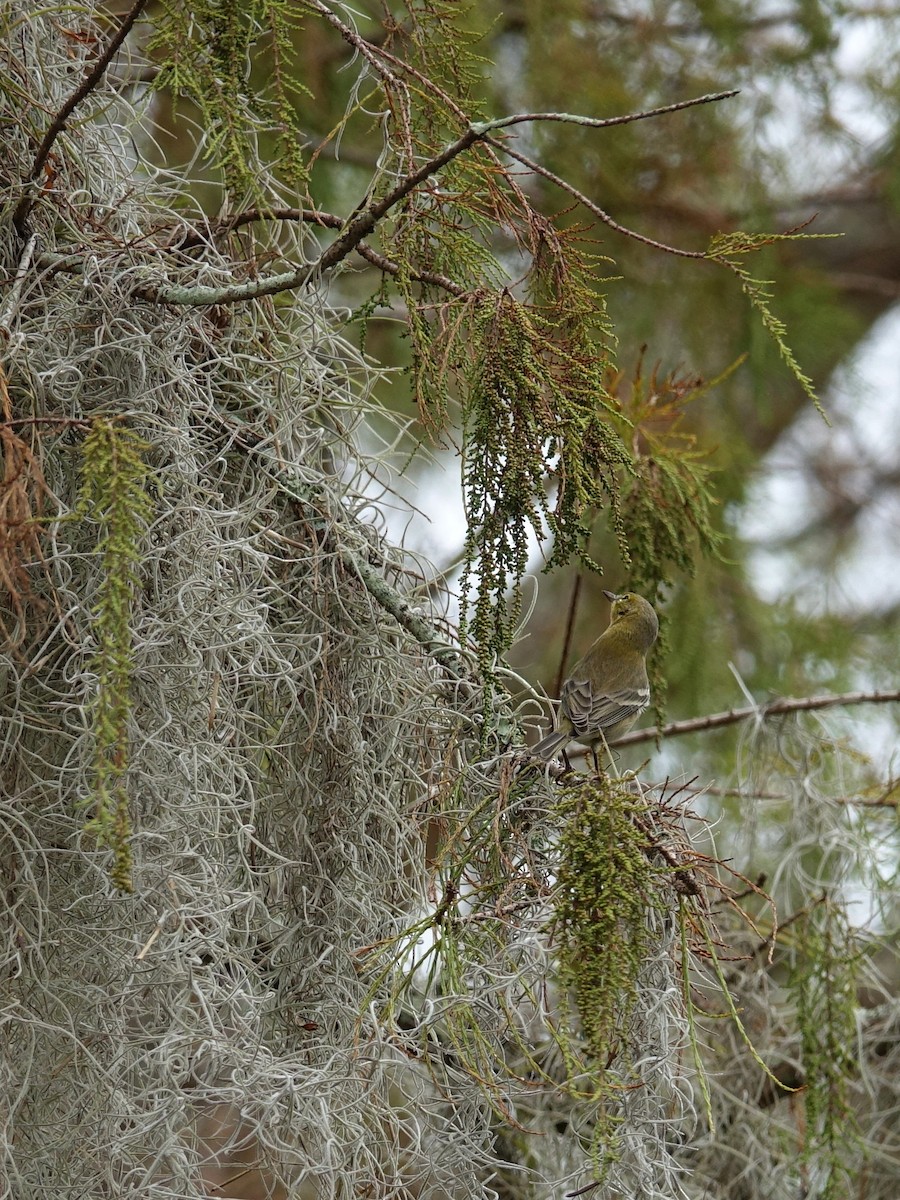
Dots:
(863, 404)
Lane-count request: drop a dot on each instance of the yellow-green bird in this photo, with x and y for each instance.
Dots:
(608, 689)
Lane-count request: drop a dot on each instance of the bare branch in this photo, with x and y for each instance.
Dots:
(603, 122)
(761, 712)
(310, 216)
(589, 204)
(68, 422)
(570, 628)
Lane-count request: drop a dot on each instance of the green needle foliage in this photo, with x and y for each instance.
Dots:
(206, 49)
(113, 496)
(728, 249)
(606, 886)
(539, 452)
(607, 889)
(825, 983)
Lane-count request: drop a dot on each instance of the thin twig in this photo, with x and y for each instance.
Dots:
(583, 1191)
(600, 213)
(74, 422)
(310, 216)
(373, 56)
(888, 798)
(445, 97)
(768, 943)
(92, 77)
(711, 790)
(682, 878)
(604, 122)
(567, 639)
(352, 38)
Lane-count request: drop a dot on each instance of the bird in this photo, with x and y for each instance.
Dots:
(608, 689)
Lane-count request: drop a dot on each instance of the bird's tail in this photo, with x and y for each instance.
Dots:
(548, 745)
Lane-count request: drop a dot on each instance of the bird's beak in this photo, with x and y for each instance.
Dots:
(611, 597)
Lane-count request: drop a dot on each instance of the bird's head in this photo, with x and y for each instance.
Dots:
(635, 616)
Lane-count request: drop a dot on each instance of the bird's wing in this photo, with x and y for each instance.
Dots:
(591, 711)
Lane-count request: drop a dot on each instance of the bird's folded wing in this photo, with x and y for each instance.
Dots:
(591, 711)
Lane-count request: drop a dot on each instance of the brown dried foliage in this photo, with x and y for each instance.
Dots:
(23, 491)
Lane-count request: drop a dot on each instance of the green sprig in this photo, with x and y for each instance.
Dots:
(728, 249)
(113, 496)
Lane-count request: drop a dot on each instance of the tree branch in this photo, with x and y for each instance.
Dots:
(761, 712)
(888, 797)
(358, 227)
(314, 216)
(603, 122)
(359, 44)
(570, 628)
(369, 214)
